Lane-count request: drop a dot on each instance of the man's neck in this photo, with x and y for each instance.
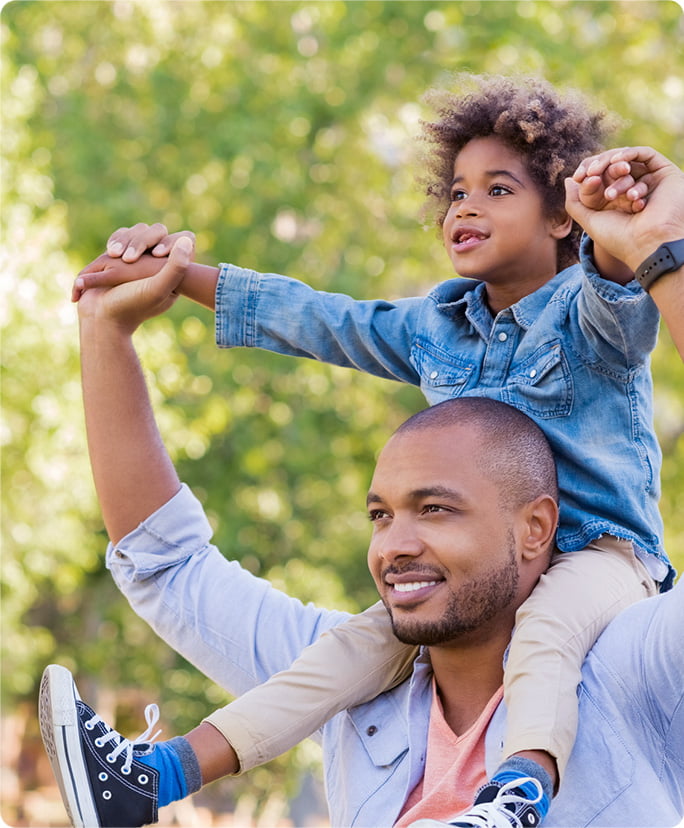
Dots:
(466, 680)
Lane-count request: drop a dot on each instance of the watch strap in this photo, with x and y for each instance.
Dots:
(668, 257)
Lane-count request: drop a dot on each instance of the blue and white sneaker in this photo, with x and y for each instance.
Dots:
(101, 782)
(497, 805)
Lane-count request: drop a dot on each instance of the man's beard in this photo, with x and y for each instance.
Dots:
(475, 603)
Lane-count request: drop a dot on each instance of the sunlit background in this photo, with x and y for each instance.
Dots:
(282, 134)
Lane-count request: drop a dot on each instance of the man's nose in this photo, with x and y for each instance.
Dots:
(399, 540)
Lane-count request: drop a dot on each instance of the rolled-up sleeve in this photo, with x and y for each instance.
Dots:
(286, 316)
(614, 317)
(236, 628)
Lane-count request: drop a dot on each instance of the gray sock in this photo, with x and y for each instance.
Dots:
(189, 763)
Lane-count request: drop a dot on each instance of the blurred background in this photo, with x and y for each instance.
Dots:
(282, 134)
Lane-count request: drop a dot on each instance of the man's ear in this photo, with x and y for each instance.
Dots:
(561, 225)
(538, 527)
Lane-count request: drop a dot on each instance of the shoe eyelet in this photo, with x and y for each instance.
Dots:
(99, 742)
(110, 758)
(125, 771)
(89, 726)
(103, 777)
(106, 794)
(143, 779)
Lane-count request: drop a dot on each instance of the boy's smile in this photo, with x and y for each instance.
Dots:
(496, 229)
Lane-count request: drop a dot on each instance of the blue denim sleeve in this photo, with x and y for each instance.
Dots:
(234, 627)
(286, 316)
(615, 318)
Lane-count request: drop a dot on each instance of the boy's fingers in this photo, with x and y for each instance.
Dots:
(130, 243)
(166, 244)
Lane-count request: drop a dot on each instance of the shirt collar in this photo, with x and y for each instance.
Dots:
(467, 298)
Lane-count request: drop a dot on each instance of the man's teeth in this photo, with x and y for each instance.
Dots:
(412, 586)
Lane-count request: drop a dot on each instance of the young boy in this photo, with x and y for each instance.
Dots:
(567, 344)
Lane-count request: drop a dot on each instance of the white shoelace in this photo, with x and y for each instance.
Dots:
(126, 745)
(492, 814)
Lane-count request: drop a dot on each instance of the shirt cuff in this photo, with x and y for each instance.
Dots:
(237, 292)
(611, 291)
(177, 530)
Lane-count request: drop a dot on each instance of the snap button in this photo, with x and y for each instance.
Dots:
(533, 373)
(503, 336)
(434, 375)
(372, 730)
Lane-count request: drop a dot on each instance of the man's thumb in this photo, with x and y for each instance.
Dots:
(179, 258)
(573, 205)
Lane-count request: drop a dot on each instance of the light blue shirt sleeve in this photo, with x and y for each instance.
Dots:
(234, 627)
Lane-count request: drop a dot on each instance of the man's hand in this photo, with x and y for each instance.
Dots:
(108, 272)
(130, 303)
(652, 184)
(129, 243)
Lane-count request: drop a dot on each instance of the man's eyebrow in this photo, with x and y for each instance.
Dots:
(491, 174)
(422, 493)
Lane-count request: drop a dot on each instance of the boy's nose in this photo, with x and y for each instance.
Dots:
(469, 206)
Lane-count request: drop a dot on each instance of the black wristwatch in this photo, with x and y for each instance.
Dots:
(668, 257)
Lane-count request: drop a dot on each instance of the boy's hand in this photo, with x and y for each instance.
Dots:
(106, 271)
(633, 236)
(609, 184)
(129, 243)
(129, 304)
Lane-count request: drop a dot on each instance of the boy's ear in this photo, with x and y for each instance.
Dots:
(561, 225)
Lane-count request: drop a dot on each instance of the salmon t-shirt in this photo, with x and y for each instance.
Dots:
(454, 767)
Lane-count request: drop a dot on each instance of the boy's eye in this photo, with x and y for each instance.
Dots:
(457, 195)
(499, 189)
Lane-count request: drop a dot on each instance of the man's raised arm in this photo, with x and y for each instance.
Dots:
(132, 470)
(636, 238)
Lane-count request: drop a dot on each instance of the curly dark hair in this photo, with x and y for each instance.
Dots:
(552, 131)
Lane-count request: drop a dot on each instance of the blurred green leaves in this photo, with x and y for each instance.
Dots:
(281, 133)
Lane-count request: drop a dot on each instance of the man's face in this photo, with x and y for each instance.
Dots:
(443, 551)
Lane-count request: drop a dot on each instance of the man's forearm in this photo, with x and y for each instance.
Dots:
(668, 294)
(133, 473)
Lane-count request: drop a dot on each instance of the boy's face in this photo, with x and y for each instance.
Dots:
(496, 229)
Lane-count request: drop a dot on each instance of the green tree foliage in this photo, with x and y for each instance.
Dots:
(281, 133)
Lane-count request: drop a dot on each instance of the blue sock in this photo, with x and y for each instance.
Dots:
(517, 767)
(179, 773)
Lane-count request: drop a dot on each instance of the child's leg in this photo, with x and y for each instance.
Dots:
(348, 665)
(555, 628)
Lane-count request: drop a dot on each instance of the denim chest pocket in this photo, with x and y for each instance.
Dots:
(442, 375)
(541, 385)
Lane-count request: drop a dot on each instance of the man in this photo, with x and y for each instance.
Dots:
(447, 537)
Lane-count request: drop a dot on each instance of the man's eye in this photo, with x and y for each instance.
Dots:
(376, 514)
(434, 507)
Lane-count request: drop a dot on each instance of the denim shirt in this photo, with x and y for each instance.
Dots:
(574, 356)
(627, 766)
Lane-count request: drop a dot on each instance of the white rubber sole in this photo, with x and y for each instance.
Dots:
(59, 728)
